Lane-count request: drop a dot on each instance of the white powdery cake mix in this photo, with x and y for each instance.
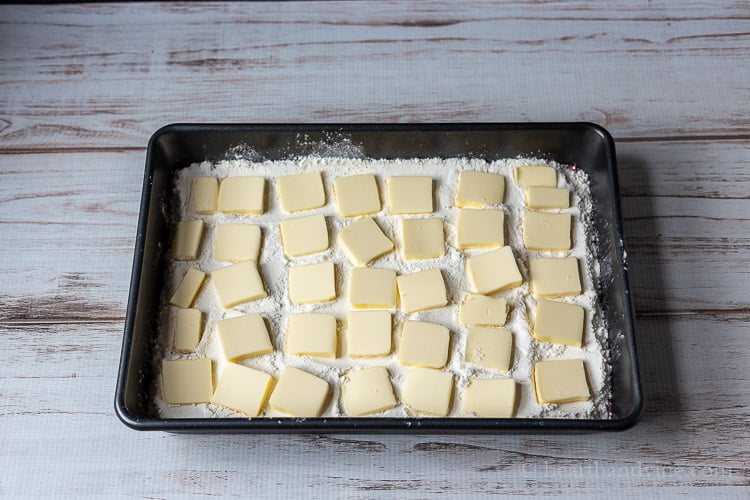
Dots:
(276, 307)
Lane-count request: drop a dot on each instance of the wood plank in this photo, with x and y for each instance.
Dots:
(107, 77)
(74, 216)
(68, 227)
(684, 169)
(683, 251)
(685, 208)
(693, 433)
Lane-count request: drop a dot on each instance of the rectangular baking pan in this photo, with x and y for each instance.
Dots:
(585, 145)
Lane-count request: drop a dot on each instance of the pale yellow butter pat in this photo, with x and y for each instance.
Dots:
(187, 331)
(243, 389)
(546, 231)
(312, 283)
(188, 288)
(423, 238)
(480, 228)
(237, 242)
(312, 334)
(187, 240)
(243, 195)
(304, 235)
(554, 277)
(490, 398)
(205, 191)
(299, 393)
(492, 271)
(186, 381)
(244, 336)
(490, 347)
(536, 175)
(424, 344)
(479, 189)
(559, 322)
(483, 311)
(371, 288)
(409, 194)
(429, 391)
(368, 333)
(560, 381)
(301, 191)
(367, 391)
(547, 197)
(356, 195)
(363, 241)
(422, 290)
(238, 283)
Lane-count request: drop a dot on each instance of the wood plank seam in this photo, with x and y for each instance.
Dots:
(125, 149)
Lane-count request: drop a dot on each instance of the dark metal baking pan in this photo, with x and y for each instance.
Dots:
(585, 145)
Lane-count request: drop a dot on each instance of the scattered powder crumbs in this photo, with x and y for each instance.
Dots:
(276, 307)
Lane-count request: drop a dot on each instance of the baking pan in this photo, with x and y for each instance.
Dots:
(585, 145)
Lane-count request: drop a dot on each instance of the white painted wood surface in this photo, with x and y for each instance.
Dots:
(82, 87)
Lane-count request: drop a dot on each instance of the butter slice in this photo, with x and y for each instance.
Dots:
(243, 389)
(480, 228)
(428, 391)
(186, 381)
(559, 322)
(479, 189)
(205, 194)
(490, 398)
(536, 175)
(243, 195)
(367, 391)
(483, 311)
(304, 235)
(422, 290)
(545, 231)
(554, 277)
(357, 195)
(492, 271)
(237, 242)
(368, 333)
(238, 283)
(187, 331)
(312, 334)
(547, 197)
(560, 381)
(312, 283)
(363, 241)
(244, 336)
(423, 238)
(301, 191)
(187, 240)
(299, 393)
(489, 347)
(188, 288)
(424, 344)
(409, 194)
(371, 288)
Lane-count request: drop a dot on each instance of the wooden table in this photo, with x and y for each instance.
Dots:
(82, 87)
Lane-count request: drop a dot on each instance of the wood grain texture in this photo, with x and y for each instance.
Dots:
(692, 435)
(95, 79)
(74, 217)
(82, 87)
(79, 244)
